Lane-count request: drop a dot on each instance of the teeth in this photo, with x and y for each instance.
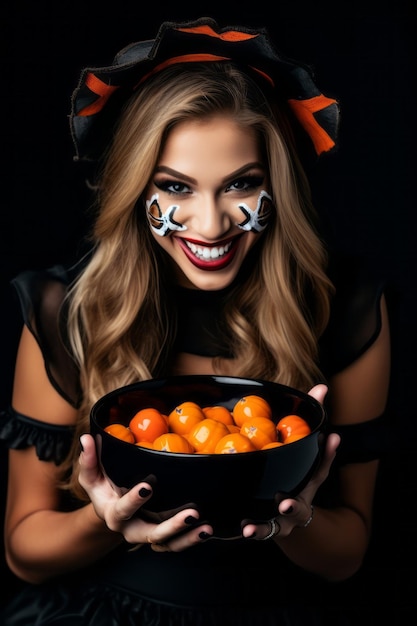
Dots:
(208, 254)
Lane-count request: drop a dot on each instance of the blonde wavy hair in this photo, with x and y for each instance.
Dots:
(122, 316)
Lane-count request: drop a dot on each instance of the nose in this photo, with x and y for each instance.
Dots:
(210, 217)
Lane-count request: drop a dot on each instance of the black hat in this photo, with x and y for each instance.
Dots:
(101, 91)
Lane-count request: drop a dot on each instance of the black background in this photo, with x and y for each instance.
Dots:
(363, 54)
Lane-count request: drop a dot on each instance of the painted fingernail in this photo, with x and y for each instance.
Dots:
(252, 536)
(289, 510)
(204, 535)
(190, 520)
(144, 493)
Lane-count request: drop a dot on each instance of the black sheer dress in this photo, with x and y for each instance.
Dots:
(239, 582)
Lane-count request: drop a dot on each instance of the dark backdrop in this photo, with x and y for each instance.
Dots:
(363, 54)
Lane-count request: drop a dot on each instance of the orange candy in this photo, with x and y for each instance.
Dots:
(214, 429)
(148, 424)
(272, 444)
(292, 427)
(121, 432)
(172, 442)
(234, 443)
(205, 435)
(260, 430)
(219, 413)
(186, 415)
(144, 444)
(251, 406)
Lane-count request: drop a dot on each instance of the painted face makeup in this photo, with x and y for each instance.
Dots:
(162, 224)
(207, 202)
(257, 220)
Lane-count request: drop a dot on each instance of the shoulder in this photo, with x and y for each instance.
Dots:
(42, 298)
(42, 290)
(356, 359)
(355, 318)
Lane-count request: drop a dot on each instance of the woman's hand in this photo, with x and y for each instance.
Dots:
(177, 533)
(297, 512)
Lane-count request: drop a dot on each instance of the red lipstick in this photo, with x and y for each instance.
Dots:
(209, 265)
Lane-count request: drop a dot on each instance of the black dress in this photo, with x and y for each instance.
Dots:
(218, 583)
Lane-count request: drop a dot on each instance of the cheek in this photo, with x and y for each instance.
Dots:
(154, 214)
(162, 222)
(256, 218)
(253, 239)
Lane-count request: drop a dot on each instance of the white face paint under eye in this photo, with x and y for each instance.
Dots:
(162, 224)
(258, 219)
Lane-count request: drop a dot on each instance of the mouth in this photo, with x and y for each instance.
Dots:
(209, 257)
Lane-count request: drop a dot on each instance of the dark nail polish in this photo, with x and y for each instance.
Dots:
(143, 492)
(190, 520)
(204, 535)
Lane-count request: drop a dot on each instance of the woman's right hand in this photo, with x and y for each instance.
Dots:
(175, 534)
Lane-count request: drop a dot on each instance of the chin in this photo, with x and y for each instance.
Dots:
(210, 281)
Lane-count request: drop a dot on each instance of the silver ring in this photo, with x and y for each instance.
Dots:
(310, 519)
(275, 529)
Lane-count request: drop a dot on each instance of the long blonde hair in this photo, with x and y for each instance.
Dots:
(121, 323)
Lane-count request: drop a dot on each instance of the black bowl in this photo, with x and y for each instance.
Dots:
(226, 488)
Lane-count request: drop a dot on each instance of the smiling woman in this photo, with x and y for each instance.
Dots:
(206, 256)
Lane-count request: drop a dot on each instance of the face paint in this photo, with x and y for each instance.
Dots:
(258, 219)
(162, 224)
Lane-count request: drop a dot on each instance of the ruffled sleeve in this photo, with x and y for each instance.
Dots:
(52, 442)
(41, 296)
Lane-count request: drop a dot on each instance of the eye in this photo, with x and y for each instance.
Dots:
(246, 183)
(172, 187)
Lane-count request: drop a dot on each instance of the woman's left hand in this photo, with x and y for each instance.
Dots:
(119, 511)
(297, 512)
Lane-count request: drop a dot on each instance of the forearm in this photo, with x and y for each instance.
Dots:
(332, 546)
(50, 543)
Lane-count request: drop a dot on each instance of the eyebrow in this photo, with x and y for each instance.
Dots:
(239, 172)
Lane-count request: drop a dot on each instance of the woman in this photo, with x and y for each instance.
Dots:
(202, 204)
